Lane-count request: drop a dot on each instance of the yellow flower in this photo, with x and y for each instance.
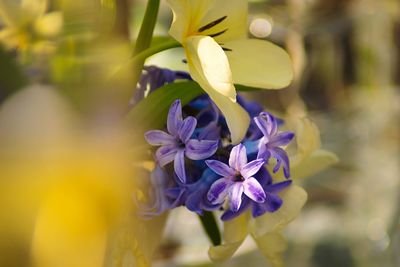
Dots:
(219, 54)
(26, 24)
(65, 192)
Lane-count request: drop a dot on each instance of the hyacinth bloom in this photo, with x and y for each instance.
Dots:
(272, 140)
(237, 179)
(219, 54)
(177, 143)
(266, 229)
(272, 200)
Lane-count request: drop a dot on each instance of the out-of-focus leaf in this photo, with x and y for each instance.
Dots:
(151, 112)
(11, 76)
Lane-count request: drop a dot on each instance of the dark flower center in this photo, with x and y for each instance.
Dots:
(238, 177)
(181, 144)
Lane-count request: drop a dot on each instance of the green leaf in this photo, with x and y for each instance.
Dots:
(12, 77)
(211, 227)
(151, 112)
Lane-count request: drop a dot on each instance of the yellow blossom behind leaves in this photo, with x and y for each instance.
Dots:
(65, 191)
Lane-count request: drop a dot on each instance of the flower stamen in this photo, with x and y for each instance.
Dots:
(218, 33)
(212, 24)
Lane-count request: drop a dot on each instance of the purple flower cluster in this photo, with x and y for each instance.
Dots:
(198, 168)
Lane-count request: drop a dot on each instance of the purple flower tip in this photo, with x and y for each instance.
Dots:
(177, 143)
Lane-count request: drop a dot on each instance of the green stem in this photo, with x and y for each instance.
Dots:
(144, 37)
(139, 59)
(154, 50)
(210, 227)
(147, 28)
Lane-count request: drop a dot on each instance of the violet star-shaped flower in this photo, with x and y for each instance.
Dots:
(176, 144)
(272, 201)
(237, 179)
(270, 144)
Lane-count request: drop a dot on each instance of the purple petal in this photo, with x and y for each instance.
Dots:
(252, 168)
(195, 201)
(253, 190)
(218, 191)
(267, 124)
(262, 125)
(228, 214)
(282, 158)
(165, 154)
(179, 165)
(220, 168)
(281, 139)
(159, 138)
(272, 203)
(197, 150)
(275, 188)
(263, 152)
(174, 117)
(238, 157)
(187, 128)
(210, 132)
(235, 196)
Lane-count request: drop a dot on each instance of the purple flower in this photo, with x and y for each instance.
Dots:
(159, 201)
(154, 77)
(272, 200)
(271, 142)
(194, 196)
(176, 144)
(237, 179)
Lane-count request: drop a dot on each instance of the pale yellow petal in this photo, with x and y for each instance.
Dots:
(235, 231)
(223, 252)
(9, 37)
(294, 199)
(212, 63)
(190, 16)
(20, 13)
(50, 24)
(259, 63)
(307, 139)
(234, 26)
(272, 245)
(319, 160)
(209, 67)
(187, 16)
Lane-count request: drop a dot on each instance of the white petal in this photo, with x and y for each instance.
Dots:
(259, 63)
